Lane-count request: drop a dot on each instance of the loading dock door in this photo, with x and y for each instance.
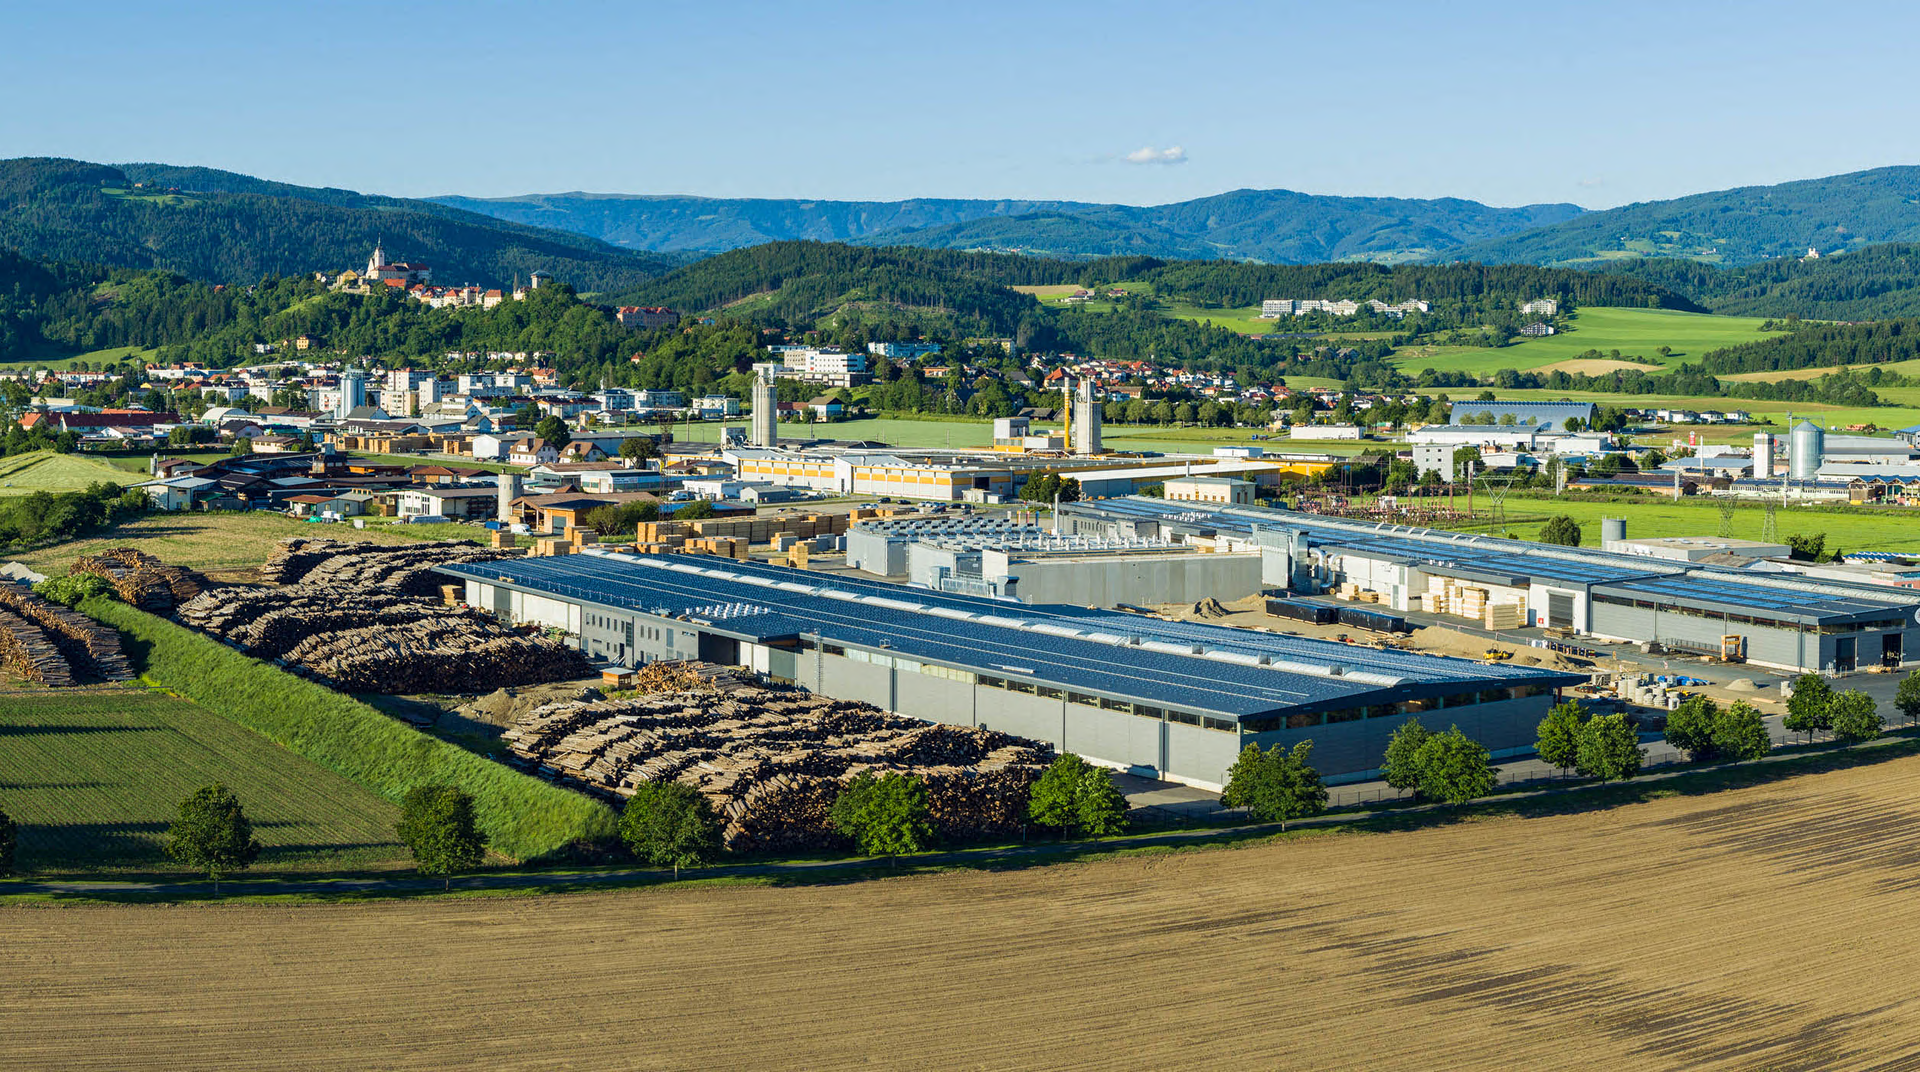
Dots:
(1891, 651)
(1845, 654)
(1559, 610)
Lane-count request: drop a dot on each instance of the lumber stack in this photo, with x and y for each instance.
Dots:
(142, 580)
(89, 649)
(26, 654)
(773, 762)
(377, 641)
(402, 569)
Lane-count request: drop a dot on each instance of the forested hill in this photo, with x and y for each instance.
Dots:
(1867, 284)
(1733, 227)
(1266, 225)
(221, 227)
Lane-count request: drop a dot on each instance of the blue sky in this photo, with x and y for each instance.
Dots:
(1595, 103)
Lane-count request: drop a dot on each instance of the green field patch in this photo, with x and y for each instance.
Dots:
(44, 470)
(93, 777)
(523, 817)
(1876, 528)
(1634, 332)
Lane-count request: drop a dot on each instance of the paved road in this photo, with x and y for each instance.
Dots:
(1012, 855)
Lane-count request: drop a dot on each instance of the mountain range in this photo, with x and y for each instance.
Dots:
(224, 227)
(1265, 225)
(1733, 227)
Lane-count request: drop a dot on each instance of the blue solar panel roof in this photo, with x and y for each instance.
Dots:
(1703, 591)
(719, 594)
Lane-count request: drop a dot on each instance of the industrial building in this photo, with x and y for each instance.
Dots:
(1793, 624)
(1162, 698)
(1010, 559)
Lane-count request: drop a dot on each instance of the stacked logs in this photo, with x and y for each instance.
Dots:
(403, 569)
(143, 580)
(27, 655)
(89, 649)
(371, 639)
(772, 763)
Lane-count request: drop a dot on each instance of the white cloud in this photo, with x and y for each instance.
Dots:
(1147, 154)
(1590, 182)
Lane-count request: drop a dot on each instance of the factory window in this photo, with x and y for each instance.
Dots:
(1083, 699)
(808, 645)
(1300, 720)
(1492, 695)
(1107, 704)
(1462, 699)
(1346, 714)
(986, 681)
(1425, 703)
(1184, 718)
(833, 649)
(1220, 724)
(1020, 686)
(906, 664)
(1048, 691)
(1384, 710)
(1145, 711)
(1263, 724)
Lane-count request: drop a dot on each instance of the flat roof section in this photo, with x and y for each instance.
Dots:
(1123, 656)
(1723, 593)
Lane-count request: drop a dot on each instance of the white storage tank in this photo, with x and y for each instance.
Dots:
(1806, 447)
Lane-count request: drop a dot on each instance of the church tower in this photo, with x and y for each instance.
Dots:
(379, 258)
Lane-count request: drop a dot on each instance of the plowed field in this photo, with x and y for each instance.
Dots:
(1757, 928)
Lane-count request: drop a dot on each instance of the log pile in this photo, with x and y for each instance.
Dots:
(89, 649)
(143, 580)
(773, 762)
(377, 641)
(401, 569)
(27, 655)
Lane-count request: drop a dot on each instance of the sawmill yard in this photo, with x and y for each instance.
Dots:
(1753, 928)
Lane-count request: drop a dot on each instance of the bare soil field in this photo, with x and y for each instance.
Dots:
(1594, 366)
(1754, 928)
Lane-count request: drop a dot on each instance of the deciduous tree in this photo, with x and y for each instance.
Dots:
(1401, 767)
(212, 834)
(1562, 530)
(1559, 735)
(1690, 727)
(1276, 785)
(437, 825)
(1454, 767)
(670, 824)
(1908, 698)
(1854, 717)
(1609, 749)
(884, 816)
(1739, 732)
(1076, 796)
(1810, 708)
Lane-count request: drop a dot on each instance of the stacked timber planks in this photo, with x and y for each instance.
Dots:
(26, 654)
(90, 650)
(772, 762)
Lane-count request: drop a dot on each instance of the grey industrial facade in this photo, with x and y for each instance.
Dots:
(1783, 621)
(1173, 699)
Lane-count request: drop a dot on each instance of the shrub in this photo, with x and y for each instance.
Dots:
(74, 587)
(522, 816)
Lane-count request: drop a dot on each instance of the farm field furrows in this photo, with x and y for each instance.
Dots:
(94, 776)
(1752, 928)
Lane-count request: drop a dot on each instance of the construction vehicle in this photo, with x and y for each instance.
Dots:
(1496, 655)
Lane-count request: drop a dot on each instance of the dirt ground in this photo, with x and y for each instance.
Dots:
(1755, 928)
